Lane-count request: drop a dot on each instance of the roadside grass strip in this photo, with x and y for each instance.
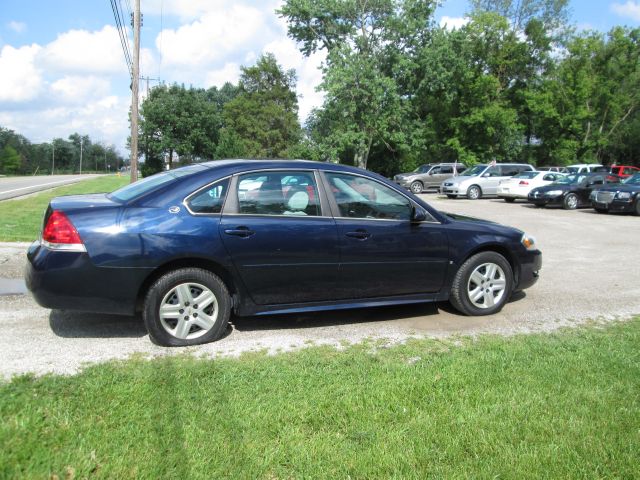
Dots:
(561, 405)
(21, 219)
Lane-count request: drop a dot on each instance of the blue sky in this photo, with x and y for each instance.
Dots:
(62, 69)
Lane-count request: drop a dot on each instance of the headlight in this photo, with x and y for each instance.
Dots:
(554, 193)
(528, 241)
(624, 195)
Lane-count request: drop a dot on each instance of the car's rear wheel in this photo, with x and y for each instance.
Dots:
(185, 307)
(416, 187)
(570, 202)
(509, 199)
(474, 192)
(482, 285)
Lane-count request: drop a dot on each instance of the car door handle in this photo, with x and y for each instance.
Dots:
(359, 234)
(239, 232)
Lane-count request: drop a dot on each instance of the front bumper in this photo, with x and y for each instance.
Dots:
(453, 189)
(70, 281)
(529, 270)
(545, 199)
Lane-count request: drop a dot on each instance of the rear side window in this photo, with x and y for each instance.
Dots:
(146, 185)
(210, 200)
(278, 193)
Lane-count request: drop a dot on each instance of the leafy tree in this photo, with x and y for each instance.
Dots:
(552, 13)
(368, 46)
(262, 119)
(9, 160)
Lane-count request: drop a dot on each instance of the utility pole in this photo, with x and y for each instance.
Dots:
(147, 79)
(135, 74)
(81, 143)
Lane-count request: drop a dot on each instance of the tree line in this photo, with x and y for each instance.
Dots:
(18, 156)
(513, 84)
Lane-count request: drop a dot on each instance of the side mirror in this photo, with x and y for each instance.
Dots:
(418, 214)
(485, 175)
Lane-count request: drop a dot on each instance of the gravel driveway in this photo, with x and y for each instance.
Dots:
(589, 272)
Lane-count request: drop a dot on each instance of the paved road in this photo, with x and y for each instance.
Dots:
(589, 272)
(11, 187)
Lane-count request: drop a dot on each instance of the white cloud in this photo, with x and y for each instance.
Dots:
(212, 38)
(79, 89)
(453, 23)
(82, 51)
(229, 73)
(104, 119)
(630, 9)
(17, 27)
(20, 79)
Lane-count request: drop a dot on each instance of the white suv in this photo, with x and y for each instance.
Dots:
(482, 180)
(586, 168)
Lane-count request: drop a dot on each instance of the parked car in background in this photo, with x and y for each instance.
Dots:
(586, 168)
(518, 187)
(429, 176)
(186, 249)
(482, 180)
(622, 197)
(624, 171)
(569, 192)
(550, 169)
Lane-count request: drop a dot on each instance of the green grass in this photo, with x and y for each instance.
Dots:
(21, 219)
(562, 405)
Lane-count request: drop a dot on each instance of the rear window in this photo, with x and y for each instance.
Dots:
(146, 185)
(528, 174)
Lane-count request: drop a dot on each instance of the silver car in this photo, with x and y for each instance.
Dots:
(482, 180)
(428, 176)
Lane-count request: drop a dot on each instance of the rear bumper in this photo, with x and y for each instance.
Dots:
(70, 281)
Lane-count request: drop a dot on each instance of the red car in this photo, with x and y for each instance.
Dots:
(624, 171)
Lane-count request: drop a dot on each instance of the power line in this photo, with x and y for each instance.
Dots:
(122, 33)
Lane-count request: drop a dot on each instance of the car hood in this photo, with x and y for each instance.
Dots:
(618, 187)
(459, 178)
(552, 186)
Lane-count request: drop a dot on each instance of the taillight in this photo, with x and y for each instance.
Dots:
(59, 233)
(524, 182)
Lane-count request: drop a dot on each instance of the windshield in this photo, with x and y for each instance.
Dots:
(570, 179)
(634, 180)
(148, 184)
(476, 170)
(422, 169)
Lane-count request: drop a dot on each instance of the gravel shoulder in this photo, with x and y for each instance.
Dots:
(588, 273)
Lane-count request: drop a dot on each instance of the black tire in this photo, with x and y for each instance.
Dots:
(451, 196)
(637, 209)
(460, 296)
(570, 201)
(509, 199)
(474, 192)
(416, 187)
(164, 291)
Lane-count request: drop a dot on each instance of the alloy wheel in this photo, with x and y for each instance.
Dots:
(487, 285)
(188, 311)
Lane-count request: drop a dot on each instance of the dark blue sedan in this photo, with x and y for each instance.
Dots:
(189, 246)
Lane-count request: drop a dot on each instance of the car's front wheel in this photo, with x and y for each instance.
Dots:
(416, 187)
(482, 285)
(474, 192)
(570, 201)
(185, 307)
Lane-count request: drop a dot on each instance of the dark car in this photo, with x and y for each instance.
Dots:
(622, 197)
(189, 246)
(569, 192)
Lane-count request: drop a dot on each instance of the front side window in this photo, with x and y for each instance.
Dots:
(496, 172)
(446, 170)
(209, 200)
(278, 193)
(359, 197)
